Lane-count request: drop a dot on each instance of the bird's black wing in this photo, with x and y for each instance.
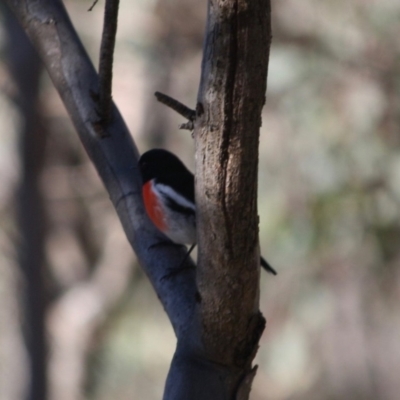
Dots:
(183, 185)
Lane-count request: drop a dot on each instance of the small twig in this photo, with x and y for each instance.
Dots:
(176, 106)
(179, 108)
(188, 126)
(92, 6)
(106, 59)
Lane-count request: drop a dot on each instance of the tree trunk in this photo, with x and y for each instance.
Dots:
(218, 323)
(230, 100)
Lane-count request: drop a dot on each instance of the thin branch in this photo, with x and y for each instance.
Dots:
(92, 6)
(180, 108)
(106, 59)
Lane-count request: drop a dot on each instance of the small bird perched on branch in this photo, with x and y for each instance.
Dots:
(168, 195)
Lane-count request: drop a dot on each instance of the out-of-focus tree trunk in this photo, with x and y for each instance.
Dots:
(26, 69)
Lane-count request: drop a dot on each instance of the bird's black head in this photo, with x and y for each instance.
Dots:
(158, 163)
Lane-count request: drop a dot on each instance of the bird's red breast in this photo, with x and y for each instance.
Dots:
(153, 207)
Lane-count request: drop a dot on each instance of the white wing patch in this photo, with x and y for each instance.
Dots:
(169, 192)
(180, 227)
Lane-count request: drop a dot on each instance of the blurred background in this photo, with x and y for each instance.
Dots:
(78, 318)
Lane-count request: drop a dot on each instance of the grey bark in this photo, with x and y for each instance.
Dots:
(219, 325)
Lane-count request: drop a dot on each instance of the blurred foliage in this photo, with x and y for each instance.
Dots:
(329, 200)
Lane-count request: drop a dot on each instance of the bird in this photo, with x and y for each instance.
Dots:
(168, 196)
